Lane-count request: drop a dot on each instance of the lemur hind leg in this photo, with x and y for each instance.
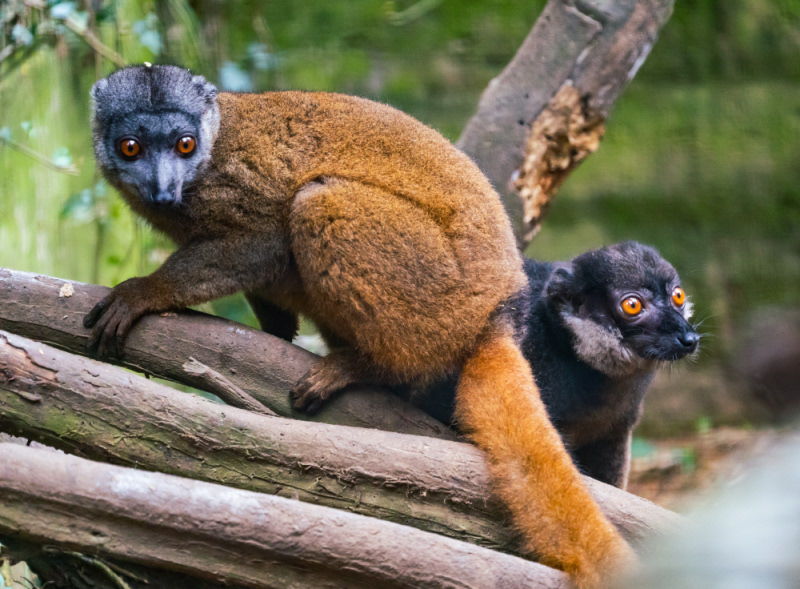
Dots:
(383, 274)
(607, 459)
(272, 319)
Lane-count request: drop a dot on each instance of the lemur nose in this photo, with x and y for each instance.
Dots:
(163, 197)
(689, 340)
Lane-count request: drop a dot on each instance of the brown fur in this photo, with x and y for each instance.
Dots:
(396, 246)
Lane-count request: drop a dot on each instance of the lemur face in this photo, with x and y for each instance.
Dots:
(625, 307)
(154, 128)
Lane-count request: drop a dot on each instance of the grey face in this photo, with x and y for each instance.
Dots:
(625, 307)
(154, 128)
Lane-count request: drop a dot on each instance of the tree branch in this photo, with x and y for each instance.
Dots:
(51, 310)
(544, 113)
(249, 539)
(101, 412)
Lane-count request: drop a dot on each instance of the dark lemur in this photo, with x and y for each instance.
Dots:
(598, 327)
(377, 229)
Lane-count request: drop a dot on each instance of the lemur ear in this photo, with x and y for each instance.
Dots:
(561, 288)
(98, 88)
(206, 89)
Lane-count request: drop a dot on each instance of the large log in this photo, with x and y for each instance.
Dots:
(102, 412)
(545, 112)
(250, 539)
(173, 346)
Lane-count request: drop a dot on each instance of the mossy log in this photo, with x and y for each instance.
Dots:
(99, 411)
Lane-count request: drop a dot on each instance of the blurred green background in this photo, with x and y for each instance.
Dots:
(700, 158)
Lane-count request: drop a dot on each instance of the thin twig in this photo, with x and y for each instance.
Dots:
(19, 56)
(70, 169)
(93, 42)
(8, 51)
(114, 577)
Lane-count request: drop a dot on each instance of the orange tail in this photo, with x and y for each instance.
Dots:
(498, 404)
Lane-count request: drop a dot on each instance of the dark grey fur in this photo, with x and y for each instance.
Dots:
(592, 363)
(157, 106)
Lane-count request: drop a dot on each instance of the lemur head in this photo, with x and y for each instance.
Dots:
(154, 128)
(625, 308)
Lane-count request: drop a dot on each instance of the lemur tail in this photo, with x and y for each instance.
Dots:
(498, 404)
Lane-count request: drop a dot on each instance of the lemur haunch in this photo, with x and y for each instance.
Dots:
(376, 228)
(598, 327)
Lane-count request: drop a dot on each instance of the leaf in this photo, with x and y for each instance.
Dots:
(79, 207)
(147, 30)
(261, 58)
(62, 10)
(151, 40)
(21, 35)
(233, 78)
(62, 157)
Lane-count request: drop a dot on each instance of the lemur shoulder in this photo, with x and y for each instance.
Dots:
(377, 229)
(598, 328)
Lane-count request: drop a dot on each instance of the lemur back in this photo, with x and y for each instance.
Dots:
(377, 229)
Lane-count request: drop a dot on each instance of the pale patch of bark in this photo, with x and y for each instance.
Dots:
(561, 137)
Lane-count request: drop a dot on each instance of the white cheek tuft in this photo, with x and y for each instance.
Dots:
(688, 310)
(603, 349)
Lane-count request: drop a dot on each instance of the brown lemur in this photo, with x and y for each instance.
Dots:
(377, 229)
(598, 328)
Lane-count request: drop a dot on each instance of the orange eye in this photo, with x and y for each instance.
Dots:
(186, 145)
(678, 296)
(129, 148)
(631, 306)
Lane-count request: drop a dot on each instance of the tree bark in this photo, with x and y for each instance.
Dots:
(249, 539)
(51, 310)
(545, 112)
(102, 412)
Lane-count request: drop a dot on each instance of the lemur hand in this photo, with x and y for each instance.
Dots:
(113, 317)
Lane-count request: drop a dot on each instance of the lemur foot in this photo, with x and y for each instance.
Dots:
(331, 374)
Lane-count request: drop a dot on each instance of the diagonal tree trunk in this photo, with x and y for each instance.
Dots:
(173, 345)
(546, 111)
